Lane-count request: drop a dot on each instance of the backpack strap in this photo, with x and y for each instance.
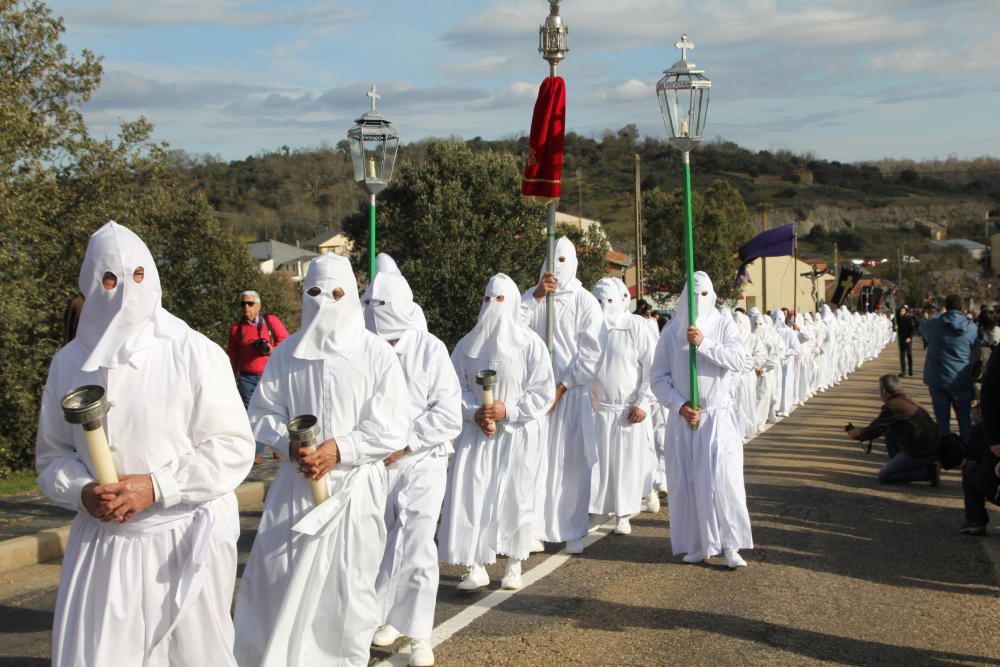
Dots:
(267, 320)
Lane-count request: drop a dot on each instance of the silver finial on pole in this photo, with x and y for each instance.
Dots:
(375, 96)
(684, 45)
(553, 38)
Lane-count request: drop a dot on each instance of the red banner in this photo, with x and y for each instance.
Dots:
(543, 164)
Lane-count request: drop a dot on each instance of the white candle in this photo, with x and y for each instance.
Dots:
(371, 168)
(488, 397)
(319, 488)
(684, 128)
(100, 455)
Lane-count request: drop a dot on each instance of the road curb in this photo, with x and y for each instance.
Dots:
(50, 544)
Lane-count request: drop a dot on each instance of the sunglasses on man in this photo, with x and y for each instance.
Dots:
(247, 304)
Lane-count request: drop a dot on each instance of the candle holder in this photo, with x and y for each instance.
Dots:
(487, 380)
(304, 431)
(87, 406)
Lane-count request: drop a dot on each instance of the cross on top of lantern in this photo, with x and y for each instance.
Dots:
(553, 37)
(373, 143)
(683, 94)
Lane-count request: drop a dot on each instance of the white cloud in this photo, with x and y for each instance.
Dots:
(218, 13)
(516, 94)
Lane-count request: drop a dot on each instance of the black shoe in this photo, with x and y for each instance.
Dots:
(973, 529)
(911, 373)
(933, 474)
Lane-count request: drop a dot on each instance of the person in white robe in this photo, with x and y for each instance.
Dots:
(418, 473)
(805, 362)
(750, 380)
(769, 377)
(708, 510)
(789, 362)
(622, 398)
(656, 483)
(489, 505)
(570, 444)
(149, 568)
(308, 592)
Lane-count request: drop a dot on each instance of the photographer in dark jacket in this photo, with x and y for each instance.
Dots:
(981, 473)
(910, 436)
(906, 328)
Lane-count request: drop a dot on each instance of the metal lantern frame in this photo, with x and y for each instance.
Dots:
(683, 93)
(374, 143)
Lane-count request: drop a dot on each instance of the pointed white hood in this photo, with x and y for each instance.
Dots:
(498, 333)
(389, 308)
(115, 325)
(705, 299)
(329, 326)
(613, 304)
(565, 269)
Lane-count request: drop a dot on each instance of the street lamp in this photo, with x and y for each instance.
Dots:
(683, 93)
(373, 143)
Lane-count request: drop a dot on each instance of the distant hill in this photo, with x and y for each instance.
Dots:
(292, 195)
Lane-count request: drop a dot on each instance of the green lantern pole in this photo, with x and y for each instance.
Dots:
(371, 239)
(689, 260)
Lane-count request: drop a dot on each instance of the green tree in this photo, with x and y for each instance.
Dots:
(454, 220)
(57, 186)
(721, 225)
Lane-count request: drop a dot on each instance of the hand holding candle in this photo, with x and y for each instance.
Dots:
(303, 431)
(487, 380)
(87, 406)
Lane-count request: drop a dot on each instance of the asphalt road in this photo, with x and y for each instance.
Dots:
(845, 572)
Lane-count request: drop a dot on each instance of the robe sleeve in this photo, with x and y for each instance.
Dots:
(472, 400)
(759, 351)
(581, 370)
(269, 410)
(61, 473)
(222, 445)
(661, 374)
(642, 397)
(538, 386)
(729, 352)
(530, 309)
(383, 425)
(441, 419)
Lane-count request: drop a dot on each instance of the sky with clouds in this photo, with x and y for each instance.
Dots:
(844, 79)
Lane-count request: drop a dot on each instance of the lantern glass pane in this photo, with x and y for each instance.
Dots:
(374, 155)
(668, 108)
(391, 145)
(357, 155)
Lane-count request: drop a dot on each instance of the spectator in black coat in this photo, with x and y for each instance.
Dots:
(906, 328)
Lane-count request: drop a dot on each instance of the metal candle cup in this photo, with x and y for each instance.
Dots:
(87, 406)
(304, 431)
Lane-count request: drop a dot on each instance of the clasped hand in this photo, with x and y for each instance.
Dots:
(695, 337)
(313, 464)
(488, 416)
(547, 284)
(691, 415)
(120, 501)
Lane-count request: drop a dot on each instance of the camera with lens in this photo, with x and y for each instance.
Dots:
(263, 346)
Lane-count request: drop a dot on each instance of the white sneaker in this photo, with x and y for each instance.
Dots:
(536, 547)
(421, 654)
(512, 575)
(475, 579)
(694, 558)
(733, 559)
(652, 503)
(574, 546)
(386, 635)
(623, 527)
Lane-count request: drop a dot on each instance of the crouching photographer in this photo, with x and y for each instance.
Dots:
(910, 436)
(981, 473)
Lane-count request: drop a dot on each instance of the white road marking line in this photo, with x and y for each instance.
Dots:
(600, 528)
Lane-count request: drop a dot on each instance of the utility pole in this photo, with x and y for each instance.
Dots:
(795, 268)
(579, 189)
(763, 260)
(638, 231)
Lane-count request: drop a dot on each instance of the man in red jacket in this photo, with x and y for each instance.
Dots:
(251, 341)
